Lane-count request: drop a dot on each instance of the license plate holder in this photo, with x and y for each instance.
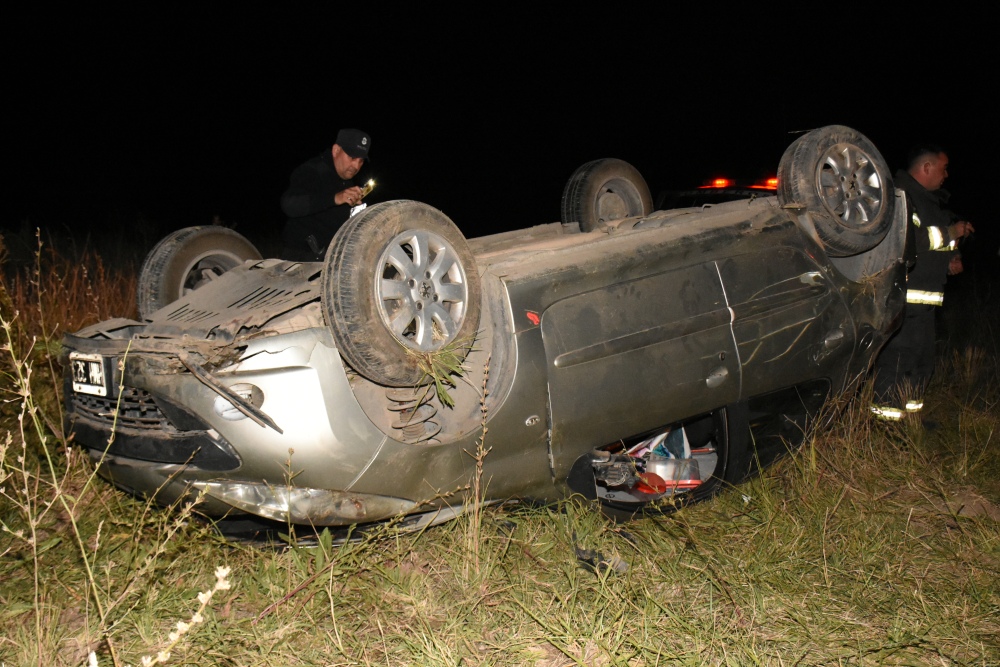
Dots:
(91, 373)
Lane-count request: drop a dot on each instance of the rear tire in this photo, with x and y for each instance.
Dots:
(603, 191)
(841, 179)
(186, 260)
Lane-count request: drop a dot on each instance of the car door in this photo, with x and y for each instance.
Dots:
(634, 355)
(790, 322)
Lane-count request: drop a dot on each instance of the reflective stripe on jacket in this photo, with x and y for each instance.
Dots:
(935, 236)
(924, 297)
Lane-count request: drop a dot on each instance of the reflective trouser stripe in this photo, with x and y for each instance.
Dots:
(892, 414)
(895, 414)
(924, 297)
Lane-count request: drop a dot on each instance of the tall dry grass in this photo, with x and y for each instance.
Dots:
(64, 289)
(48, 491)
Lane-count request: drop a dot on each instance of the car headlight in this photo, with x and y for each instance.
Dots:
(319, 507)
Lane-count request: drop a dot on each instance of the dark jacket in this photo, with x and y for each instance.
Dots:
(313, 218)
(929, 207)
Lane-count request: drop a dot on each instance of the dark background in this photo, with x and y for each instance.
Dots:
(130, 123)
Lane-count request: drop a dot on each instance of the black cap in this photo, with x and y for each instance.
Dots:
(354, 142)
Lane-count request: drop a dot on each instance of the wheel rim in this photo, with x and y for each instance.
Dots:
(617, 200)
(207, 267)
(849, 184)
(421, 290)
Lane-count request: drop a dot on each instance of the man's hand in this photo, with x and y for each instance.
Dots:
(955, 265)
(349, 196)
(960, 230)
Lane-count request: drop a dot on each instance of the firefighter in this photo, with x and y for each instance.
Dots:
(905, 365)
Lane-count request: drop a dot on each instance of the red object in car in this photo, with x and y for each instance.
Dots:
(650, 482)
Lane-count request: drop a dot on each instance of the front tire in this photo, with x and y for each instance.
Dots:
(399, 281)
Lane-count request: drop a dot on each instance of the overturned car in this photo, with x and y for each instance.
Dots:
(638, 358)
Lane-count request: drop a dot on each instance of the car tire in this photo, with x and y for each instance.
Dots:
(399, 282)
(844, 183)
(602, 191)
(187, 259)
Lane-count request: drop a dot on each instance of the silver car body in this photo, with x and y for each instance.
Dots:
(238, 390)
(731, 324)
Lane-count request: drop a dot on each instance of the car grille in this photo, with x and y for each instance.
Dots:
(142, 430)
(135, 410)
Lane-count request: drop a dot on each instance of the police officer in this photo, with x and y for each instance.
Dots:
(321, 194)
(906, 364)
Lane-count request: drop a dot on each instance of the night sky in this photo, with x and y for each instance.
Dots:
(171, 117)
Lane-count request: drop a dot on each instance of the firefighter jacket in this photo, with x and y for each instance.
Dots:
(928, 233)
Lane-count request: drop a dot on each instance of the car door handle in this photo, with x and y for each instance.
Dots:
(717, 377)
(833, 339)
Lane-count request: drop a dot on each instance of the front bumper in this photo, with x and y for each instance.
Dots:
(169, 436)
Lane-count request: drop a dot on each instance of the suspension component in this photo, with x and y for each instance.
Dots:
(414, 409)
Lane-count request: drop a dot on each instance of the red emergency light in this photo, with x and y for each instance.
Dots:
(768, 184)
(717, 183)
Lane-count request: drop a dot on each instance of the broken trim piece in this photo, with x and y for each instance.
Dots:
(251, 411)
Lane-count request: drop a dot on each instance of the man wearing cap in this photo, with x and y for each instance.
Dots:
(320, 196)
